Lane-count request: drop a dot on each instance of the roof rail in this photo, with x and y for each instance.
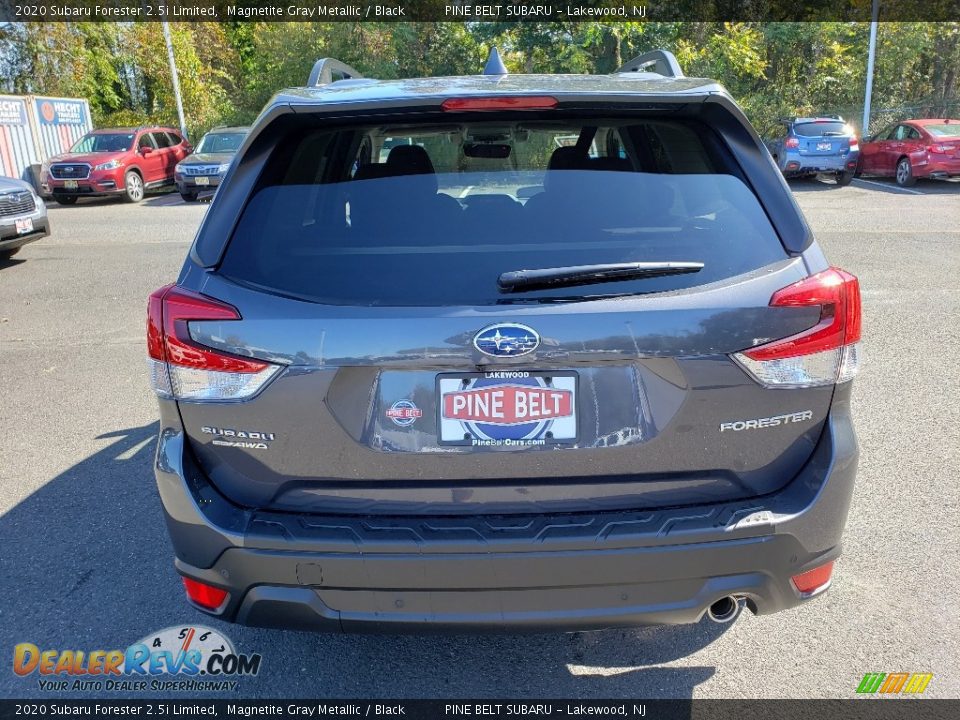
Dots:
(325, 70)
(663, 62)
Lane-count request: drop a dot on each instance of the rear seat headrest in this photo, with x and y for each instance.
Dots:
(371, 171)
(409, 160)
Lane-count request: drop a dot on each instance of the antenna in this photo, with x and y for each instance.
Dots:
(494, 64)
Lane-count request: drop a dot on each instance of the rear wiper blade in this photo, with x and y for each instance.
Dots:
(524, 280)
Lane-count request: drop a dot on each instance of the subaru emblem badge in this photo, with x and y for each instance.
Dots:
(507, 340)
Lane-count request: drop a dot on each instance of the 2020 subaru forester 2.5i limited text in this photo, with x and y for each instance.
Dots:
(504, 352)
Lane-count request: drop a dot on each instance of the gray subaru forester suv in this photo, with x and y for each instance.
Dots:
(504, 352)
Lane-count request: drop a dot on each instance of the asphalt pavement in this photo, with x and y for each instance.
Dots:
(85, 562)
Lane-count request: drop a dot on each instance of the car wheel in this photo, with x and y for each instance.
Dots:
(845, 178)
(65, 199)
(188, 197)
(132, 187)
(904, 175)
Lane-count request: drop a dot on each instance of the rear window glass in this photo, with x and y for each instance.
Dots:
(821, 128)
(433, 215)
(944, 130)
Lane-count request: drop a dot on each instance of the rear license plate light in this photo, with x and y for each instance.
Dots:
(507, 408)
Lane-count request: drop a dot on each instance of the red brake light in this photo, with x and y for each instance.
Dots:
(837, 292)
(168, 339)
(518, 102)
(813, 580)
(792, 142)
(854, 143)
(206, 596)
(939, 148)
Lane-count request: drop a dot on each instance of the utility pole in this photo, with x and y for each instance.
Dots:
(176, 79)
(864, 129)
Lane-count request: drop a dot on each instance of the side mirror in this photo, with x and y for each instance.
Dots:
(146, 150)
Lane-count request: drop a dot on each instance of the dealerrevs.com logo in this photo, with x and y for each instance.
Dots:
(188, 658)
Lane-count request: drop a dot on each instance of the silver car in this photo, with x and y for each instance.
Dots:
(23, 216)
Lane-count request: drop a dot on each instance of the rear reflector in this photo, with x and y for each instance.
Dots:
(206, 596)
(824, 354)
(521, 102)
(185, 370)
(813, 581)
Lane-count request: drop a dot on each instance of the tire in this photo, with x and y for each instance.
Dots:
(132, 187)
(904, 173)
(65, 199)
(845, 178)
(188, 196)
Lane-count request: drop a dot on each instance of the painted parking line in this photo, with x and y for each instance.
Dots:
(896, 188)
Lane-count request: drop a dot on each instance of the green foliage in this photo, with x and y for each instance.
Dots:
(229, 70)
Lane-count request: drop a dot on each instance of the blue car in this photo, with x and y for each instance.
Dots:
(813, 146)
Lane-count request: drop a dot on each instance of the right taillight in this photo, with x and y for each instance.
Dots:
(824, 354)
(184, 370)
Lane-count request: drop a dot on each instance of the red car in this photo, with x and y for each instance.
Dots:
(913, 149)
(118, 161)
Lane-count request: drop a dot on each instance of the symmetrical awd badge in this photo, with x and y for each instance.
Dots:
(507, 340)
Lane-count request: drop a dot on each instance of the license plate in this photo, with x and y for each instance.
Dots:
(507, 408)
(24, 226)
(201, 181)
(70, 184)
(825, 146)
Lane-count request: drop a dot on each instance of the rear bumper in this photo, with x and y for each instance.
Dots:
(806, 164)
(938, 169)
(663, 566)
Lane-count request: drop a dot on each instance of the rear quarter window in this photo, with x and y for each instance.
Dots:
(433, 214)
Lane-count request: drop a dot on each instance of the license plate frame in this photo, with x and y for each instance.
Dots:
(70, 184)
(557, 429)
(201, 180)
(824, 146)
(24, 225)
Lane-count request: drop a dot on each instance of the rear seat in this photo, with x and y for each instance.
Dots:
(407, 196)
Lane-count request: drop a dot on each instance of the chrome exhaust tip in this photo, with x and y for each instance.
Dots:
(725, 609)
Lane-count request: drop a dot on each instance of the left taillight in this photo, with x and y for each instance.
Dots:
(824, 354)
(182, 369)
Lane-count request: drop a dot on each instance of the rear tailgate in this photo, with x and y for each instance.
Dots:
(823, 138)
(410, 385)
(660, 407)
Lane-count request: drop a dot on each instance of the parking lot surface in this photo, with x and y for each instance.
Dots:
(86, 564)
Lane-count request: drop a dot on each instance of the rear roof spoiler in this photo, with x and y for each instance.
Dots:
(662, 62)
(327, 70)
